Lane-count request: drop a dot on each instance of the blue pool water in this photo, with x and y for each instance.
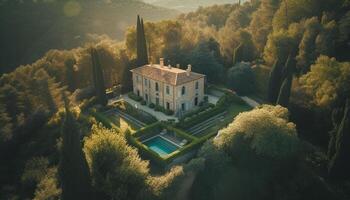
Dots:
(161, 146)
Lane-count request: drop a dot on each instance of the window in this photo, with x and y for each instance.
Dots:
(138, 92)
(157, 101)
(197, 85)
(146, 82)
(167, 105)
(157, 87)
(137, 78)
(146, 97)
(167, 90)
(196, 101)
(183, 90)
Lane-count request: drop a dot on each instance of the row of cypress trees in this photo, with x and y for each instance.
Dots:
(141, 55)
(74, 173)
(280, 82)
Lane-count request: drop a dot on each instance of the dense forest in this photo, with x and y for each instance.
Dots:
(293, 53)
(189, 5)
(30, 28)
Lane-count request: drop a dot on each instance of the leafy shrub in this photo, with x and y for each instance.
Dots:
(206, 98)
(168, 112)
(133, 96)
(159, 108)
(152, 105)
(241, 78)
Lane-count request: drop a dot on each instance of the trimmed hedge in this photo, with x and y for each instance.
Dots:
(133, 96)
(152, 105)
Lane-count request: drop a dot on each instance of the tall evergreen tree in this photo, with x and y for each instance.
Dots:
(284, 95)
(274, 82)
(237, 54)
(339, 163)
(69, 64)
(141, 51)
(73, 169)
(98, 79)
(287, 75)
(144, 44)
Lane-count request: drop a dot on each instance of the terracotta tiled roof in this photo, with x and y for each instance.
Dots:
(172, 76)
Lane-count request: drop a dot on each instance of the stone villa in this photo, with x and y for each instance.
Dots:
(170, 87)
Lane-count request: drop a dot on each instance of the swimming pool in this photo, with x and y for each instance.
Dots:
(161, 146)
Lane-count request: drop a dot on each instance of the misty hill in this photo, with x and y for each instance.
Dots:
(30, 28)
(188, 5)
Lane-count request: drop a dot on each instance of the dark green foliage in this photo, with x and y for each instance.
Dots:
(241, 78)
(141, 46)
(5, 125)
(73, 169)
(287, 75)
(274, 82)
(134, 97)
(284, 94)
(98, 78)
(339, 148)
(203, 61)
(237, 54)
(69, 64)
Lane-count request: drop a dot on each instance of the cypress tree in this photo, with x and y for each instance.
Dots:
(69, 64)
(237, 54)
(289, 67)
(94, 81)
(283, 97)
(141, 45)
(274, 82)
(144, 44)
(73, 169)
(98, 78)
(339, 163)
(287, 75)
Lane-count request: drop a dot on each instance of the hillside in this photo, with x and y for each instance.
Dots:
(188, 5)
(39, 27)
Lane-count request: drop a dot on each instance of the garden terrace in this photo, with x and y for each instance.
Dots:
(209, 119)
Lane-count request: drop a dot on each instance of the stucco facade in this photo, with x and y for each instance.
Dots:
(170, 87)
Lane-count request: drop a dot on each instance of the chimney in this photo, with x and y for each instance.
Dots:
(178, 66)
(188, 70)
(161, 61)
